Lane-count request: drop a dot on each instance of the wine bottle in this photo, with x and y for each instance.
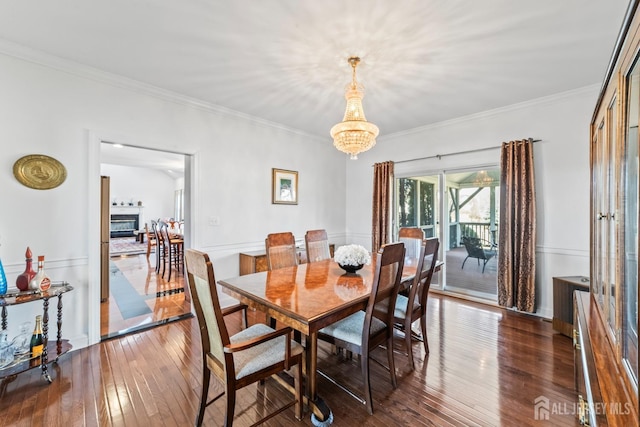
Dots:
(40, 281)
(37, 342)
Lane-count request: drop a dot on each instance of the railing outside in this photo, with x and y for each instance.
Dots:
(481, 230)
(457, 231)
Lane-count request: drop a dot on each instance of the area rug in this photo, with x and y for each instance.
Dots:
(127, 245)
(129, 301)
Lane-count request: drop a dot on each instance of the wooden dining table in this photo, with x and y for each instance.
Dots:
(307, 298)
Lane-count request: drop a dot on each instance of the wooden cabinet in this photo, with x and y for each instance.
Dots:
(256, 261)
(253, 262)
(563, 289)
(606, 320)
(602, 394)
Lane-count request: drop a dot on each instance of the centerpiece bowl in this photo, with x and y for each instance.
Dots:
(351, 258)
(351, 268)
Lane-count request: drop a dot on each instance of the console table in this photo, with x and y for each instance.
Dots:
(256, 261)
(563, 289)
(59, 346)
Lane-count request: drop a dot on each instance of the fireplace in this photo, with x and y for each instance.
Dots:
(123, 225)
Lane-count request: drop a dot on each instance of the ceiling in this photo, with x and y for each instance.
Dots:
(170, 163)
(285, 61)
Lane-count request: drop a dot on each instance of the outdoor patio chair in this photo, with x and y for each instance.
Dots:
(479, 249)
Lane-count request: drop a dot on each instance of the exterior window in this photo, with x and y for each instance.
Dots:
(416, 204)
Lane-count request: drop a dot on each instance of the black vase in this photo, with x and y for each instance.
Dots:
(351, 268)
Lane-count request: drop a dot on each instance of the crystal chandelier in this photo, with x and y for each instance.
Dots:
(354, 134)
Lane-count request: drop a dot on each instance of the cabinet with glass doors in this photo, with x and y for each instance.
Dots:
(606, 320)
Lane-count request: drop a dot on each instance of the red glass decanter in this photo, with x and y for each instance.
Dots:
(22, 282)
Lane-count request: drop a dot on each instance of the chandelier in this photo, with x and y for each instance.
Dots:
(354, 134)
(483, 179)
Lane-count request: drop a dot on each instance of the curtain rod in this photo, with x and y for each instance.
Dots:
(439, 156)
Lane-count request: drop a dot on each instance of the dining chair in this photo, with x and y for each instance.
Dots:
(281, 253)
(363, 331)
(151, 239)
(412, 238)
(410, 308)
(251, 355)
(155, 228)
(317, 245)
(172, 250)
(281, 250)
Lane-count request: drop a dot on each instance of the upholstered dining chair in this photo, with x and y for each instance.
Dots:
(410, 308)
(317, 245)
(363, 331)
(249, 356)
(281, 250)
(412, 238)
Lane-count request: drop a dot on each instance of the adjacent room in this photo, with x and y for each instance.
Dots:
(202, 226)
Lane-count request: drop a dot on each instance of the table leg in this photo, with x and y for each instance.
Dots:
(45, 340)
(321, 415)
(312, 365)
(59, 337)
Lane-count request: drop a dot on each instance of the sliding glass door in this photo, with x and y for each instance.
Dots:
(418, 205)
(462, 209)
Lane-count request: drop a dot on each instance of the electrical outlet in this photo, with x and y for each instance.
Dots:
(214, 221)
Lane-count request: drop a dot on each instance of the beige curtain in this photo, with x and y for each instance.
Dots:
(382, 179)
(517, 243)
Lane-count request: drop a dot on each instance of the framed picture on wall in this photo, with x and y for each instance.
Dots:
(284, 189)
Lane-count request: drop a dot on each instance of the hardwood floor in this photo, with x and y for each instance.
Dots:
(161, 300)
(486, 368)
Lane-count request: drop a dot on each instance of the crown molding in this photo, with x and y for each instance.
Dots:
(77, 69)
(594, 88)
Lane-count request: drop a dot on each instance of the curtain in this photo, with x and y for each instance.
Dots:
(382, 179)
(517, 243)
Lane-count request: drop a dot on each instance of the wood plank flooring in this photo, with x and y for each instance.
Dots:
(486, 368)
(165, 298)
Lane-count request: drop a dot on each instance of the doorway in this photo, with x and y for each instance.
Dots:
(139, 186)
(461, 208)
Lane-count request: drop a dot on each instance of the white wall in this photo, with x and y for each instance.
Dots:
(154, 188)
(561, 159)
(59, 112)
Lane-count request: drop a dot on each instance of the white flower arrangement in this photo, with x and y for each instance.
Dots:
(352, 255)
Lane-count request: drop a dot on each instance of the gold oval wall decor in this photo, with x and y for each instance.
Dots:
(39, 171)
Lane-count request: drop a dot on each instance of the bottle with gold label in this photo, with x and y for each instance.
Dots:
(40, 282)
(37, 341)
